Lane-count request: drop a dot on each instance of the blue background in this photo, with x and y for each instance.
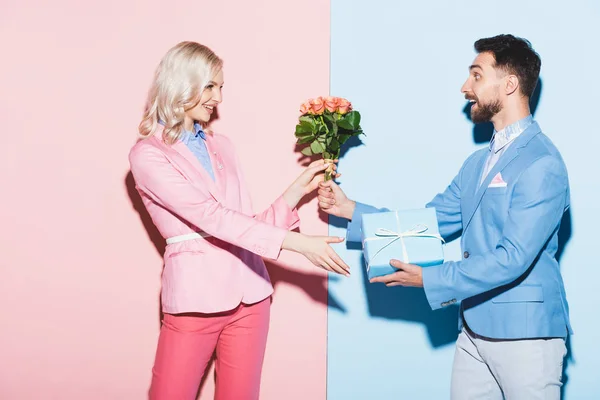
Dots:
(402, 65)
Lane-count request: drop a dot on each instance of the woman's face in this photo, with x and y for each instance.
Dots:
(211, 96)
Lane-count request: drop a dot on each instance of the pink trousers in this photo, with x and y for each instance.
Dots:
(188, 341)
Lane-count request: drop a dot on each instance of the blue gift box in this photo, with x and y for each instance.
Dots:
(411, 236)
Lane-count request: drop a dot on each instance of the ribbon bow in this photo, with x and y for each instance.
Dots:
(417, 231)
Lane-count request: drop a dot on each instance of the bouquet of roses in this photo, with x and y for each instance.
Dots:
(325, 125)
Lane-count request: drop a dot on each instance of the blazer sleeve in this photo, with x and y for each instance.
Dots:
(158, 178)
(354, 229)
(447, 204)
(539, 199)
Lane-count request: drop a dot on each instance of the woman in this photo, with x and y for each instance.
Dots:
(215, 287)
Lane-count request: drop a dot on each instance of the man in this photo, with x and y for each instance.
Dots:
(508, 201)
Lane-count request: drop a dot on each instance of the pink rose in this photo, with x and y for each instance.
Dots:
(332, 103)
(305, 108)
(317, 105)
(344, 106)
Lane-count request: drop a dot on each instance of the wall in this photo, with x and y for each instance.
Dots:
(80, 260)
(402, 64)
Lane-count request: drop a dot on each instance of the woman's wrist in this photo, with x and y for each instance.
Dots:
(292, 241)
(292, 196)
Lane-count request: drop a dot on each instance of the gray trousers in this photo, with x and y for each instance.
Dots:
(511, 370)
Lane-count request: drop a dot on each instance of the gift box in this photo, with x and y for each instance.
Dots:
(411, 236)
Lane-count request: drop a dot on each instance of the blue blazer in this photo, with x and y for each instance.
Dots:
(508, 282)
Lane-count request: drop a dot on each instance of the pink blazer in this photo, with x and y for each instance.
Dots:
(211, 274)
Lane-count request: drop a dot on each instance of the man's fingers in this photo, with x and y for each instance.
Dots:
(325, 205)
(326, 193)
(334, 187)
(397, 264)
(326, 184)
(402, 265)
(395, 277)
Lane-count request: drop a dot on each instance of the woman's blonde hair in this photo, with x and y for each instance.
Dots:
(179, 81)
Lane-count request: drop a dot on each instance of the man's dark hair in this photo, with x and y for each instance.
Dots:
(516, 56)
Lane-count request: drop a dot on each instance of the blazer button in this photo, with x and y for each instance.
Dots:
(466, 254)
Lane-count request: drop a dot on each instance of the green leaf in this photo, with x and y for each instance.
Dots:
(306, 139)
(303, 135)
(306, 151)
(353, 118)
(343, 137)
(344, 124)
(308, 118)
(316, 147)
(304, 128)
(334, 146)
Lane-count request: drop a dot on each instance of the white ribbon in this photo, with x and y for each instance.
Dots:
(383, 234)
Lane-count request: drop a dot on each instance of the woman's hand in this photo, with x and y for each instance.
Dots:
(318, 250)
(308, 181)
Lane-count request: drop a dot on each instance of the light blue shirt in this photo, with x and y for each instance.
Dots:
(501, 142)
(196, 142)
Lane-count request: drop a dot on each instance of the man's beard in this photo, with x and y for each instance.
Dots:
(485, 112)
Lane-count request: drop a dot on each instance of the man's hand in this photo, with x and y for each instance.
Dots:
(408, 275)
(333, 200)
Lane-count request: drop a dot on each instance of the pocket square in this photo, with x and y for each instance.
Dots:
(497, 182)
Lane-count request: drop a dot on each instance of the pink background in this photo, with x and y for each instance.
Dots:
(80, 266)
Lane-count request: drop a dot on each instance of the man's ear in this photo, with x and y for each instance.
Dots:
(511, 84)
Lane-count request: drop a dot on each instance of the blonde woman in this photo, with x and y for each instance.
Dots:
(215, 288)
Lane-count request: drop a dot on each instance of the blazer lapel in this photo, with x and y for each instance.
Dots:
(216, 161)
(184, 152)
(511, 153)
(471, 188)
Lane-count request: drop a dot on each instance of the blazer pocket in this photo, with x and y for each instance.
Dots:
(187, 252)
(521, 294)
(496, 190)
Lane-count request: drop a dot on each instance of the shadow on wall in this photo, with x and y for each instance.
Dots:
(564, 235)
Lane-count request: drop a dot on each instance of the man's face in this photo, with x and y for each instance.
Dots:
(482, 88)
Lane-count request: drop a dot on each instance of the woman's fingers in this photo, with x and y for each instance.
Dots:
(333, 267)
(334, 239)
(338, 260)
